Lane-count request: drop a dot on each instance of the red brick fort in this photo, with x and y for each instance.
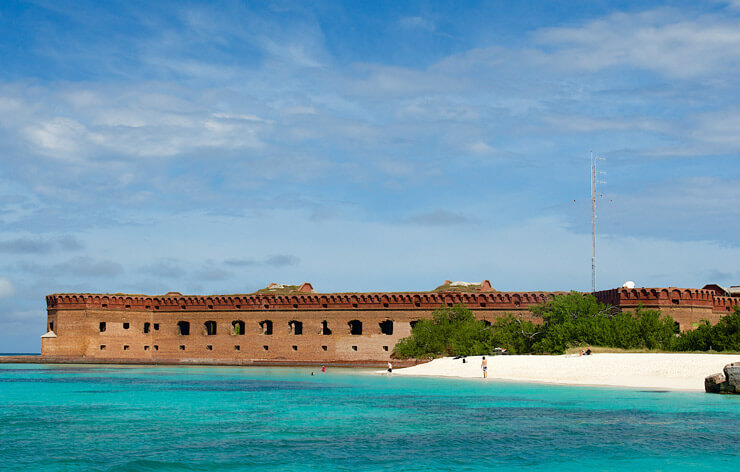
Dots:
(294, 324)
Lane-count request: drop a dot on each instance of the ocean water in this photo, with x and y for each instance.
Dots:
(103, 418)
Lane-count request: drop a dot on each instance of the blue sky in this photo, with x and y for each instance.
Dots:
(362, 146)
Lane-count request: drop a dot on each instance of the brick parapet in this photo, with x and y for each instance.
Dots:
(358, 301)
(667, 296)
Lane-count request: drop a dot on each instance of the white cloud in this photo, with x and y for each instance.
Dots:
(417, 22)
(666, 41)
(58, 137)
(6, 287)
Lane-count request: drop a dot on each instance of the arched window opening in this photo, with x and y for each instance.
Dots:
(266, 327)
(386, 327)
(325, 331)
(210, 327)
(102, 326)
(146, 327)
(355, 327)
(296, 327)
(183, 328)
(238, 327)
(413, 323)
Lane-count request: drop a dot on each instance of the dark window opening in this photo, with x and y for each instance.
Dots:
(325, 328)
(210, 327)
(102, 347)
(125, 347)
(486, 323)
(449, 304)
(354, 305)
(105, 305)
(267, 307)
(385, 348)
(385, 305)
(237, 306)
(324, 305)
(295, 305)
(156, 348)
(517, 303)
(156, 326)
(295, 348)
(182, 306)
(354, 348)
(266, 327)
(417, 304)
(209, 347)
(128, 306)
(146, 327)
(675, 301)
(237, 348)
(386, 327)
(210, 307)
(126, 326)
(266, 348)
(147, 307)
(482, 305)
(413, 323)
(355, 327)
(156, 307)
(182, 348)
(238, 327)
(51, 326)
(296, 327)
(146, 348)
(324, 347)
(183, 328)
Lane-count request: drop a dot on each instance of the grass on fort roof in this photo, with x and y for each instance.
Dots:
(460, 288)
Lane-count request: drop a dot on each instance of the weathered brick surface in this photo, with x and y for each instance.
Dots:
(76, 319)
(687, 306)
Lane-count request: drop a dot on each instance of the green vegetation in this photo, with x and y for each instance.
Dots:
(724, 336)
(451, 332)
(280, 290)
(448, 287)
(568, 321)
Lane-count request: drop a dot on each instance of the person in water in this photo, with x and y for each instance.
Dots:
(484, 366)
(323, 368)
(390, 368)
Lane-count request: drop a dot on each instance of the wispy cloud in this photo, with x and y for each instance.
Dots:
(37, 245)
(439, 217)
(278, 260)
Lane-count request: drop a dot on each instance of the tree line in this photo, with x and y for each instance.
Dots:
(571, 320)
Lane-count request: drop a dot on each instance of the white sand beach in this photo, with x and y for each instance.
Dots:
(653, 371)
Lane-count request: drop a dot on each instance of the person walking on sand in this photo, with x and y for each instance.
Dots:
(484, 366)
(390, 368)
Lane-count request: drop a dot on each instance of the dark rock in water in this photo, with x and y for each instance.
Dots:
(726, 382)
(714, 382)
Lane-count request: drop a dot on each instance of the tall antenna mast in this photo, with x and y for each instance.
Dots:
(594, 181)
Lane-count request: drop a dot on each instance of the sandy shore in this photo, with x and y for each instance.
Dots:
(654, 371)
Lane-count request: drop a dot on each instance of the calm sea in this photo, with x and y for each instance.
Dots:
(64, 418)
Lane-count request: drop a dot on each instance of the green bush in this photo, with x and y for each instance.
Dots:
(453, 331)
(724, 336)
(569, 320)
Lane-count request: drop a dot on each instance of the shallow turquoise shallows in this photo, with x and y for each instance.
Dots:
(56, 418)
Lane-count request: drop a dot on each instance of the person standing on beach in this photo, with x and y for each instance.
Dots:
(484, 366)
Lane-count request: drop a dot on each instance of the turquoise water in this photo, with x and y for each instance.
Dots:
(63, 418)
